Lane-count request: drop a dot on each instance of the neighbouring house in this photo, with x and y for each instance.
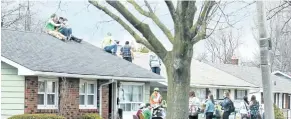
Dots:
(206, 79)
(281, 83)
(42, 74)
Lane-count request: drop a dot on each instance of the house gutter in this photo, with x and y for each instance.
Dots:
(100, 96)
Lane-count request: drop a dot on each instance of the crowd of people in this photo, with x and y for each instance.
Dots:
(210, 109)
(59, 28)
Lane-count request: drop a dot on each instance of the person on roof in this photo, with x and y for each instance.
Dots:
(155, 63)
(156, 97)
(51, 27)
(110, 45)
(65, 30)
(126, 52)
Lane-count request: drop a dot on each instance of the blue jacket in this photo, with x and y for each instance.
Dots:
(209, 106)
(226, 104)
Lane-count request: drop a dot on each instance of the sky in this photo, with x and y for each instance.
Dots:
(92, 25)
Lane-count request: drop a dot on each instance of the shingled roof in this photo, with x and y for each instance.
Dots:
(44, 53)
(253, 75)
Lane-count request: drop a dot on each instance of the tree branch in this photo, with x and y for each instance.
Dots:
(138, 8)
(143, 28)
(122, 23)
(282, 8)
(172, 10)
(201, 22)
(285, 24)
(190, 13)
(166, 31)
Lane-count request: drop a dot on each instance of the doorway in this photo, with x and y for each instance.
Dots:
(110, 101)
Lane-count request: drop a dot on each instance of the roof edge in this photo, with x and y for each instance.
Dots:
(284, 74)
(224, 86)
(28, 72)
(21, 69)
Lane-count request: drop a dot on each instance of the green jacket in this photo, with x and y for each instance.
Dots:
(147, 114)
(50, 25)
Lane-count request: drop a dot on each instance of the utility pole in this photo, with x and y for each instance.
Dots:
(27, 18)
(265, 46)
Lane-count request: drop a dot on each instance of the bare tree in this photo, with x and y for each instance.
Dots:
(187, 32)
(222, 45)
(19, 16)
(279, 27)
(202, 57)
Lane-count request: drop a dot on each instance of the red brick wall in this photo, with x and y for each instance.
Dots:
(68, 99)
(105, 103)
(31, 85)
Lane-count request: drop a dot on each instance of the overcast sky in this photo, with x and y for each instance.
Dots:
(86, 21)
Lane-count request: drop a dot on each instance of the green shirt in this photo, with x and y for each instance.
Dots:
(50, 26)
(147, 114)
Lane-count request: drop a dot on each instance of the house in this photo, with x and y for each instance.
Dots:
(42, 74)
(281, 83)
(205, 79)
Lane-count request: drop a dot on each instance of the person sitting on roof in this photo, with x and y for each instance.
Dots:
(51, 27)
(65, 30)
(110, 45)
(156, 97)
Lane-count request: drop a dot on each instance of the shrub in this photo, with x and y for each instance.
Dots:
(278, 113)
(36, 116)
(91, 116)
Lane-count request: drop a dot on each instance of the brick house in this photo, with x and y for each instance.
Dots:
(41, 74)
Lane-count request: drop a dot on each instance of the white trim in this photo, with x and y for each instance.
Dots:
(215, 86)
(25, 71)
(21, 69)
(229, 87)
(133, 84)
(86, 106)
(279, 72)
(45, 106)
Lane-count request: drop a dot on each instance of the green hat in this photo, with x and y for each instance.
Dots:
(156, 89)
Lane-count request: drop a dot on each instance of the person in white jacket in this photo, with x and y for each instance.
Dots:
(244, 108)
(194, 104)
(155, 63)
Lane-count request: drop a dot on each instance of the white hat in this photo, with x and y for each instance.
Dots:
(142, 105)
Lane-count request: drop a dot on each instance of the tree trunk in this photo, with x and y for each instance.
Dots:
(178, 65)
(178, 99)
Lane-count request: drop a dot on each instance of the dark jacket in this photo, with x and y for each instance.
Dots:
(226, 104)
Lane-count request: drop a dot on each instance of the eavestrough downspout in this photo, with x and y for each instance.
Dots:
(100, 96)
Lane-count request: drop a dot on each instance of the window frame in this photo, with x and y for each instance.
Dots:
(199, 95)
(45, 93)
(240, 90)
(133, 84)
(86, 106)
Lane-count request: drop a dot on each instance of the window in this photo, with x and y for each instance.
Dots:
(200, 93)
(47, 97)
(220, 93)
(88, 94)
(131, 96)
(239, 94)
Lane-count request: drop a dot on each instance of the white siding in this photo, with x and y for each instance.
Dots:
(147, 92)
(12, 91)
